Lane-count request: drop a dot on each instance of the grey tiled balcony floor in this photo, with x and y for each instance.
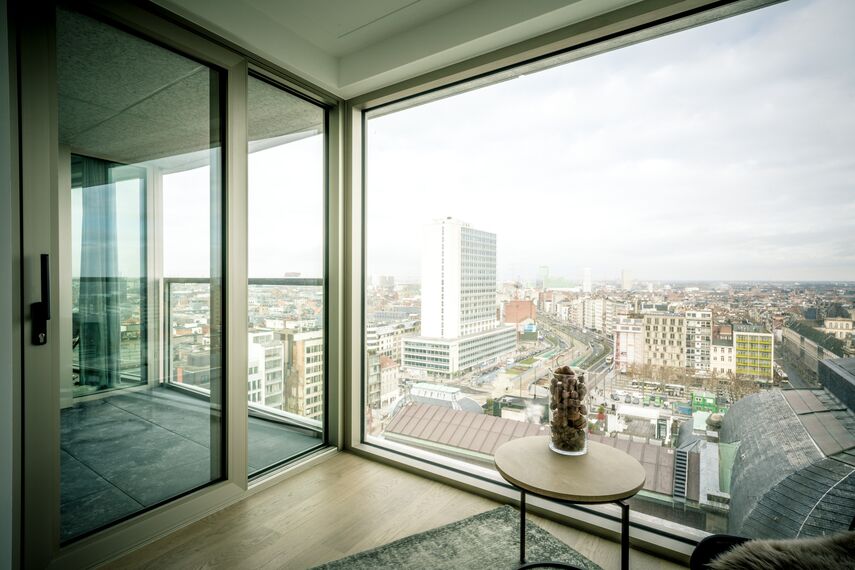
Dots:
(132, 450)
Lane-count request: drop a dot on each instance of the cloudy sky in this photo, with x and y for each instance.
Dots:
(721, 152)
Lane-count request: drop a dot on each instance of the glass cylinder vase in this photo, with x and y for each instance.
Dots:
(569, 414)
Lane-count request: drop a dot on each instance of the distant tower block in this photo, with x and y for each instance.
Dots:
(542, 276)
(460, 329)
(586, 280)
(626, 280)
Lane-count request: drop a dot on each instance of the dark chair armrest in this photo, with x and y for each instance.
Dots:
(711, 547)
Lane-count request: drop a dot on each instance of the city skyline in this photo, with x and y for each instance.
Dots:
(718, 153)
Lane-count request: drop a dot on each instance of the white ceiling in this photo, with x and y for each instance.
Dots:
(351, 47)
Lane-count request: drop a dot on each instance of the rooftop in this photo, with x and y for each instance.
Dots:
(476, 435)
(826, 341)
(757, 329)
(792, 474)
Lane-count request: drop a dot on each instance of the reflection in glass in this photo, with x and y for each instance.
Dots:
(140, 143)
(108, 332)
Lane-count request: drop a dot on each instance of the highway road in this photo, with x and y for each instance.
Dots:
(581, 349)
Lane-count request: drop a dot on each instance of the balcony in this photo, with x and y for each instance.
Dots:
(135, 449)
(134, 439)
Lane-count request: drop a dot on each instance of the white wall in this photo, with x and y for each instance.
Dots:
(7, 431)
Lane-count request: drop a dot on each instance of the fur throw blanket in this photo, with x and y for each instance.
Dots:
(831, 552)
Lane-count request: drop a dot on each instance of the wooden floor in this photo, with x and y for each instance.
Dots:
(343, 506)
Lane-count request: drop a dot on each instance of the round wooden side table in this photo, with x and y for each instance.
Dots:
(603, 475)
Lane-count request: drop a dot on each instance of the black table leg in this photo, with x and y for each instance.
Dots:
(522, 527)
(624, 535)
(523, 564)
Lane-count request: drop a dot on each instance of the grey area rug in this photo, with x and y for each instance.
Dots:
(489, 540)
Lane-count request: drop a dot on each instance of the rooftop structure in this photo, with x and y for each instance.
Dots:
(792, 474)
(463, 433)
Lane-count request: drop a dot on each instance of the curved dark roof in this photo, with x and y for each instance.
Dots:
(814, 501)
(773, 445)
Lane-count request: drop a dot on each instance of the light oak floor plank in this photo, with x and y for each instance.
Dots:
(345, 505)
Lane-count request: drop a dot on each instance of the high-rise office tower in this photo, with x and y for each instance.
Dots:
(460, 328)
(542, 276)
(625, 280)
(458, 280)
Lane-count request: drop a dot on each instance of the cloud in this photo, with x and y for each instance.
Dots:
(721, 152)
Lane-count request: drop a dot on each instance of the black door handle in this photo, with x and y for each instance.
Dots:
(40, 310)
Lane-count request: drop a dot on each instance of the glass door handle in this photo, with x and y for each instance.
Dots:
(40, 310)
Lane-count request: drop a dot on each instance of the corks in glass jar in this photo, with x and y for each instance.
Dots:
(569, 414)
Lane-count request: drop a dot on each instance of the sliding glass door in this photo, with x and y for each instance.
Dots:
(174, 277)
(122, 165)
(139, 160)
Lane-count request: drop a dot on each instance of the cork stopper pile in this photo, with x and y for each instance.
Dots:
(569, 414)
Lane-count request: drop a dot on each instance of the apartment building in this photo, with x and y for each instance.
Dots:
(698, 339)
(387, 338)
(390, 384)
(722, 357)
(841, 328)
(755, 352)
(518, 310)
(266, 384)
(629, 344)
(665, 339)
(304, 380)
(807, 347)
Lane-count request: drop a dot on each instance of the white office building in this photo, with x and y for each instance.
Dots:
(698, 339)
(626, 280)
(386, 338)
(628, 343)
(265, 379)
(460, 329)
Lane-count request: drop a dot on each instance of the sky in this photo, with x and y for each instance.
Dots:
(723, 152)
(285, 214)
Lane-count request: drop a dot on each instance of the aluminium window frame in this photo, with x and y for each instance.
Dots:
(632, 24)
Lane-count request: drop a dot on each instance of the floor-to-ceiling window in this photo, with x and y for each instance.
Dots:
(286, 342)
(661, 217)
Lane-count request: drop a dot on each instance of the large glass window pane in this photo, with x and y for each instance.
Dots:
(140, 142)
(286, 344)
(673, 218)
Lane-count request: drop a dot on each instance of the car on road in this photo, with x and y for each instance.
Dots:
(636, 400)
(627, 399)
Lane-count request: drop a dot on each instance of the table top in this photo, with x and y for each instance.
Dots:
(602, 475)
